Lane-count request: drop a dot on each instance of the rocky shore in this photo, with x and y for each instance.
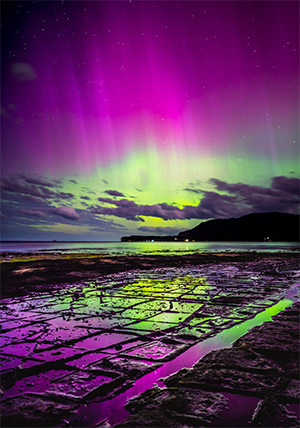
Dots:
(260, 372)
(23, 272)
(83, 334)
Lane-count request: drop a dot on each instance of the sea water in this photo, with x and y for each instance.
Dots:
(138, 248)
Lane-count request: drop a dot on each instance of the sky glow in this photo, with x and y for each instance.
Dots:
(124, 115)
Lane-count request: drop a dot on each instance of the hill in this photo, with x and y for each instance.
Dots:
(252, 227)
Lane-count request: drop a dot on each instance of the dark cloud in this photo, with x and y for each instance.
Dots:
(114, 193)
(241, 189)
(85, 189)
(283, 195)
(34, 187)
(192, 190)
(286, 184)
(73, 181)
(35, 213)
(212, 205)
(242, 199)
(17, 184)
(40, 181)
(104, 181)
(64, 195)
(68, 213)
(39, 198)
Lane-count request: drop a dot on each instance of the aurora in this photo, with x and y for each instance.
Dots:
(139, 116)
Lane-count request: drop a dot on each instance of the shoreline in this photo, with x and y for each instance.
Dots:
(79, 332)
(45, 272)
(258, 372)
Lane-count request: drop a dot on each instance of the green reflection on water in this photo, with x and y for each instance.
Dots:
(235, 332)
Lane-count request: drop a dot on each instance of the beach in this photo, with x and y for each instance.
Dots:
(83, 333)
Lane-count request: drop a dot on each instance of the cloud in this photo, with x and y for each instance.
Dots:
(114, 193)
(63, 228)
(64, 195)
(286, 184)
(40, 181)
(41, 198)
(86, 189)
(283, 195)
(17, 184)
(68, 213)
(35, 213)
(129, 210)
(192, 190)
(212, 205)
(26, 199)
(242, 199)
(34, 186)
(73, 181)
(23, 72)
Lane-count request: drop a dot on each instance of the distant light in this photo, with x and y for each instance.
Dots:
(186, 240)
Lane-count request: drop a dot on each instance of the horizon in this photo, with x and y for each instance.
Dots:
(146, 117)
(156, 236)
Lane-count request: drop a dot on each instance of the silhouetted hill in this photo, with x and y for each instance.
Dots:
(252, 227)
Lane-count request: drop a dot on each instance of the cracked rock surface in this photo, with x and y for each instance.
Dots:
(69, 349)
(246, 370)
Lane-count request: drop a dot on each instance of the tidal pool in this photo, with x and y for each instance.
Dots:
(99, 343)
(113, 410)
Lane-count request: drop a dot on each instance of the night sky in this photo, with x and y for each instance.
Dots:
(122, 117)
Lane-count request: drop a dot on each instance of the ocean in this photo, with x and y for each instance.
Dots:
(137, 248)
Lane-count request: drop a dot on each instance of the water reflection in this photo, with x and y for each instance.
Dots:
(114, 409)
(136, 248)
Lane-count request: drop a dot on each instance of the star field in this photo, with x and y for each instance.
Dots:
(131, 112)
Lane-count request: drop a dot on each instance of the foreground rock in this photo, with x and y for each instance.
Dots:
(23, 273)
(34, 410)
(73, 354)
(264, 364)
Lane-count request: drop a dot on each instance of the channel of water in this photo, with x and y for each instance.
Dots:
(113, 411)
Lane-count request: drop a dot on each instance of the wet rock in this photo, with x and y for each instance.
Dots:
(224, 379)
(269, 413)
(93, 339)
(133, 369)
(246, 368)
(34, 411)
(292, 390)
(176, 407)
(273, 338)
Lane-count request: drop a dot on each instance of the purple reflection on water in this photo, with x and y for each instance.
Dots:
(103, 340)
(114, 411)
(238, 412)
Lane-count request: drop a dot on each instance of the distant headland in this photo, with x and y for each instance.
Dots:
(255, 227)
